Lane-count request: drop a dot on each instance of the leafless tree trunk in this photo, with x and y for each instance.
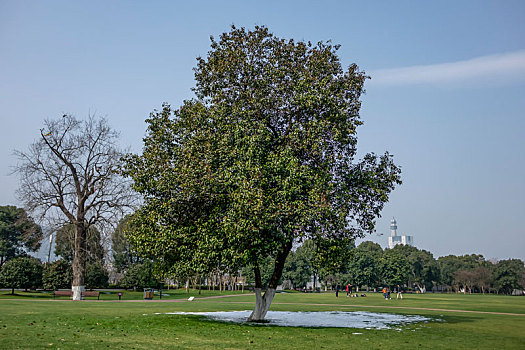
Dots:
(70, 175)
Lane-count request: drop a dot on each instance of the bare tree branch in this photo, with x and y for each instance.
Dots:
(71, 174)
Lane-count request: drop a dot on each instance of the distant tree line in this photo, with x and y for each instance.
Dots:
(20, 236)
(366, 266)
(369, 266)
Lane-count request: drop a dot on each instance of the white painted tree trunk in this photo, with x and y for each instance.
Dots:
(77, 292)
(79, 260)
(262, 304)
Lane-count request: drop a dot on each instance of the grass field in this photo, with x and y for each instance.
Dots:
(35, 321)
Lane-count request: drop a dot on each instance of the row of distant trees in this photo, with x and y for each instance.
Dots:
(20, 235)
(366, 266)
(27, 272)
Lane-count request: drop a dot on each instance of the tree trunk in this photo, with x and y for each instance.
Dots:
(263, 302)
(79, 261)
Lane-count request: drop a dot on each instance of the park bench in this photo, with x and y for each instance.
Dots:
(68, 293)
(91, 294)
(62, 293)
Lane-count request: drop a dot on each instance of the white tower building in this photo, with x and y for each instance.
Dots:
(394, 239)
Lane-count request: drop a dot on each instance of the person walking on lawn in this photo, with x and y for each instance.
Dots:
(399, 293)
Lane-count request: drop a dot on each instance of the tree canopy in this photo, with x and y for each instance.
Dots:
(508, 275)
(262, 158)
(21, 272)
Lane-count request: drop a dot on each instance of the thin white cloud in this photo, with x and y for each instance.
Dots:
(501, 68)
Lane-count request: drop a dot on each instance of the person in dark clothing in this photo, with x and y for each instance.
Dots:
(337, 291)
(399, 292)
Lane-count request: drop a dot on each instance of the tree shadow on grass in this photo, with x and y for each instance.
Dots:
(452, 319)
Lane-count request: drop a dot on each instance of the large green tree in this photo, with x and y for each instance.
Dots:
(394, 267)
(424, 270)
(508, 274)
(21, 272)
(18, 232)
(364, 264)
(299, 266)
(262, 158)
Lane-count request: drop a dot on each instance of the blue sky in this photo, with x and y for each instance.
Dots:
(446, 95)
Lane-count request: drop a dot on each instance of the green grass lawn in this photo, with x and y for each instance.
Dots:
(29, 322)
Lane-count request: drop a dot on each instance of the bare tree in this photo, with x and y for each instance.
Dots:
(483, 278)
(466, 278)
(70, 174)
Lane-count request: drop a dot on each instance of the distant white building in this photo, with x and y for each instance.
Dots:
(394, 239)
